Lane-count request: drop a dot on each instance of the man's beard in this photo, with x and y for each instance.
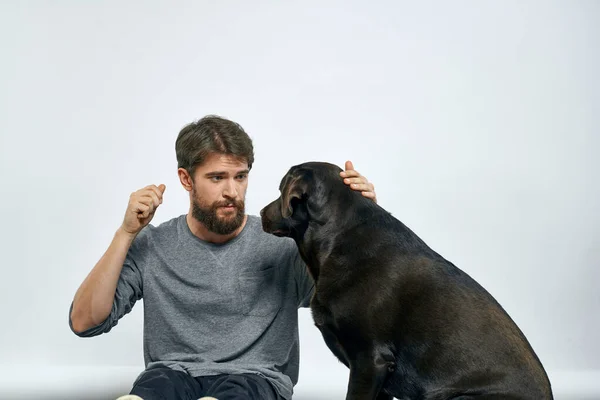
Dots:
(207, 215)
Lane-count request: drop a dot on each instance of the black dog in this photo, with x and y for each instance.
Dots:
(407, 322)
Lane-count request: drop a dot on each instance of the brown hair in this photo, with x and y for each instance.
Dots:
(212, 134)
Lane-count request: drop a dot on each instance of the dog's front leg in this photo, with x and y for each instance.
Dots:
(367, 375)
(332, 342)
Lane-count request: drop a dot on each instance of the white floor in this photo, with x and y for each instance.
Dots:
(98, 383)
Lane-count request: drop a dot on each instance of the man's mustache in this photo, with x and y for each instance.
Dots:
(239, 204)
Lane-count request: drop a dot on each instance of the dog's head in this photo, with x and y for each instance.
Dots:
(304, 189)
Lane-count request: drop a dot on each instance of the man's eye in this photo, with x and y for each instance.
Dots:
(240, 177)
(215, 178)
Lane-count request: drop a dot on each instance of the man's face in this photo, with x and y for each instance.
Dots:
(218, 193)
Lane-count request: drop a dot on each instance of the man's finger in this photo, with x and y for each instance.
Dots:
(370, 195)
(350, 173)
(363, 187)
(349, 165)
(146, 213)
(355, 180)
(141, 208)
(147, 200)
(155, 200)
(156, 190)
(159, 190)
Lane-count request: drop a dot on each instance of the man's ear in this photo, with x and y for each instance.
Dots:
(295, 189)
(186, 179)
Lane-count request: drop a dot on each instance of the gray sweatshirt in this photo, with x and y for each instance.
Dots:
(215, 309)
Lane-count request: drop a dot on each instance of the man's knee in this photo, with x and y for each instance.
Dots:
(251, 386)
(163, 382)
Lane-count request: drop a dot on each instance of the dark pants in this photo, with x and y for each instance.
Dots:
(163, 383)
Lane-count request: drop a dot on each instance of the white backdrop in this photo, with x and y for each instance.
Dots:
(478, 123)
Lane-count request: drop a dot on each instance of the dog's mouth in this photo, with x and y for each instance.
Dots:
(280, 232)
(272, 228)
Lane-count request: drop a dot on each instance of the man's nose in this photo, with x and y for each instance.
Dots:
(230, 190)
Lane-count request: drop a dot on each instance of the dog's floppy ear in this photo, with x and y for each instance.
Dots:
(295, 188)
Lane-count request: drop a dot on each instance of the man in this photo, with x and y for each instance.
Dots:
(221, 296)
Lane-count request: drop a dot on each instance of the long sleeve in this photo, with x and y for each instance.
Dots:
(129, 290)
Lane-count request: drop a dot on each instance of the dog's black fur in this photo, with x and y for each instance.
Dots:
(407, 322)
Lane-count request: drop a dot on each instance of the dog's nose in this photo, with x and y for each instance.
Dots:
(262, 212)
